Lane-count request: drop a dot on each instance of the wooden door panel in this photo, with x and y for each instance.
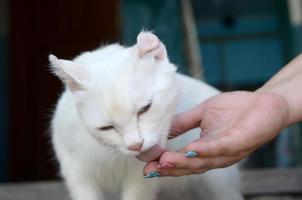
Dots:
(38, 28)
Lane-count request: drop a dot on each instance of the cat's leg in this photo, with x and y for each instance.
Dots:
(83, 190)
(138, 190)
(136, 187)
(81, 182)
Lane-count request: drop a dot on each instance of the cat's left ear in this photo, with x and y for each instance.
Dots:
(148, 44)
(75, 76)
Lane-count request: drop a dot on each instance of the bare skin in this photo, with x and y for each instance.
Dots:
(233, 124)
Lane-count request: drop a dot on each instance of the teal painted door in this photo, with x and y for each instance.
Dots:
(162, 17)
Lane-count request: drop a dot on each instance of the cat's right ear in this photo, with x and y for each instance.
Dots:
(75, 76)
(148, 44)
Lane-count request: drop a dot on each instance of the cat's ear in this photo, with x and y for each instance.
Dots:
(148, 44)
(75, 76)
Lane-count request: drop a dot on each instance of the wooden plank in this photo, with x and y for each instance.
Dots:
(268, 184)
(272, 181)
(50, 190)
(191, 42)
(275, 197)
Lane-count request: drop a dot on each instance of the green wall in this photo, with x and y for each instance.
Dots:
(161, 17)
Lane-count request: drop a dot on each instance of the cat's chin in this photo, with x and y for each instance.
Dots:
(130, 153)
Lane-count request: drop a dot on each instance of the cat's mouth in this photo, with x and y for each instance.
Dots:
(151, 154)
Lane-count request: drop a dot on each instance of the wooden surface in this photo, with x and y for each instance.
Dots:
(273, 184)
(275, 197)
(53, 190)
(272, 181)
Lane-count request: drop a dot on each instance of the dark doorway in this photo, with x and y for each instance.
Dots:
(38, 28)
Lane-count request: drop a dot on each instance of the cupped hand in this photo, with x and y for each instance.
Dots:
(233, 125)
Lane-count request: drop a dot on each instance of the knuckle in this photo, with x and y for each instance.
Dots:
(223, 151)
(166, 156)
(206, 164)
(193, 147)
(217, 147)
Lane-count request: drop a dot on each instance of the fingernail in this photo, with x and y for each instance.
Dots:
(152, 175)
(165, 165)
(191, 154)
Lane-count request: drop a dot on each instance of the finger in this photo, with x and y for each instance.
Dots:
(216, 163)
(185, 121)
(208, 148)
(152, 154)
(152, 167)
(180, 172)
(177, 160)
(226, 144)
(223, 162)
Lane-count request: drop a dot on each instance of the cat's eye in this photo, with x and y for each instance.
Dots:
(144, 109)
(106, 128)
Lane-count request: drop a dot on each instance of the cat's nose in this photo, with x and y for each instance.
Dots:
(136, 147)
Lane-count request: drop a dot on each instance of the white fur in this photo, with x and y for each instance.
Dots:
(107, 87)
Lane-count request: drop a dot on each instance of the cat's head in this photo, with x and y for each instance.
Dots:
(125, 96)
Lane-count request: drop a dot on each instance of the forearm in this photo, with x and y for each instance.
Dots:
(288, 83)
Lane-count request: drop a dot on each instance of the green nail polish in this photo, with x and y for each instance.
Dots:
(191, 154)
(152, 175)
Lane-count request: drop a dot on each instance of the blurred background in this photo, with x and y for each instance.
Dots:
(228, 43)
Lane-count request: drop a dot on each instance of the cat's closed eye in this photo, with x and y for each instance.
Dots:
(144, 109)
(106, 128)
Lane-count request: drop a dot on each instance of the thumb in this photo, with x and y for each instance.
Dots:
(186, 121)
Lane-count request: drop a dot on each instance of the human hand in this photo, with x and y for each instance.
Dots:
(233, 126)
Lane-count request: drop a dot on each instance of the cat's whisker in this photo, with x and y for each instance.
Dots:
(118, 154)
(115, 154)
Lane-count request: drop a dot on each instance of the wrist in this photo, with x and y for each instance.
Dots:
(281, 102)
(287, 84)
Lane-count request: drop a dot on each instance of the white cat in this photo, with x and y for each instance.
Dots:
(119, 102)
